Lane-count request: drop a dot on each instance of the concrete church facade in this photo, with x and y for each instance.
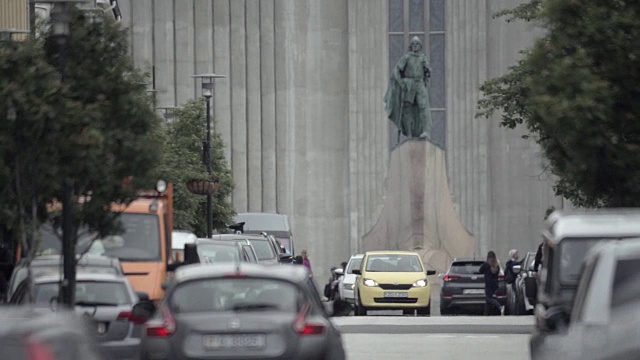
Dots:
(302, 117)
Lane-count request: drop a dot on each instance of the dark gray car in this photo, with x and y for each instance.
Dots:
(241, 311)
(52, 264)
(266, 249)
(463, 287)
(26, 334)
(107, 299)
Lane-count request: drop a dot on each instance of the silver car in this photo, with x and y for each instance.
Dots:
(240, 311)
(105, 298)
(348, 280)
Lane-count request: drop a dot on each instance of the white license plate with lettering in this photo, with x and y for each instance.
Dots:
(396, 294)
(473, 291)
(240, 341)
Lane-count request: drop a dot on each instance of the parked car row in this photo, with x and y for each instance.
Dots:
(589, 287)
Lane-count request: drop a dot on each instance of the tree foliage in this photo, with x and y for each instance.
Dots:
(576, 91)
(183, 161)
(77, 113)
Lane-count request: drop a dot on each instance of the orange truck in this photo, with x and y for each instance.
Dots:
(143, 248)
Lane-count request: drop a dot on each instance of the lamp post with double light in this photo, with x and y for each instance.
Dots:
(202, 187)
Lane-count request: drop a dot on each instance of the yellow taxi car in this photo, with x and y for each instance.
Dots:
(392, 280)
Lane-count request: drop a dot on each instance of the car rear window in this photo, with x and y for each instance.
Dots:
(393, 263)
(103, 292)
(213, 253)
(466, 267)
(263, 249)
(236, 294)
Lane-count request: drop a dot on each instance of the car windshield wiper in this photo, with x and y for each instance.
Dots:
(94, 303)
(250, 307)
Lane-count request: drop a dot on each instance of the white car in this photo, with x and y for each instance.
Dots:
(603, 319)
(348, 280)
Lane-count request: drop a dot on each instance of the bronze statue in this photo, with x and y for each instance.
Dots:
(407, 97)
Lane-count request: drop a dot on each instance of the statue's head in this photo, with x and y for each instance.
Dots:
(415, 45)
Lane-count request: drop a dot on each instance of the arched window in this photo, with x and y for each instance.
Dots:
(409, 18)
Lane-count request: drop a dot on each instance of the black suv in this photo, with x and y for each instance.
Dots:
(463, 287)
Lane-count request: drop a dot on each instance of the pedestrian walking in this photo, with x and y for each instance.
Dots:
(306, 262)
(509, 276)
(491, 270)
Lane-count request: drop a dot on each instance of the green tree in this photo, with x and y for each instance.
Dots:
(576, 91)
(183, 161)
(92, 128)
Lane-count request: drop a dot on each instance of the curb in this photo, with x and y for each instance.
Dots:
(437, 329)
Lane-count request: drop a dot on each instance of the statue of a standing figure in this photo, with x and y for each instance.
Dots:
(407, 97)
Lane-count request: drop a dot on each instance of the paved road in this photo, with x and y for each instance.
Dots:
(459, 338)
(436, 346)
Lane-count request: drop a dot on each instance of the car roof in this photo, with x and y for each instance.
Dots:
(629, 248)
(357, 256)
(291, 273)
(461, 259)
(216, 242)
(86, 259)
(391, 252)
(592, 223)
(227, 237)
(80, 276)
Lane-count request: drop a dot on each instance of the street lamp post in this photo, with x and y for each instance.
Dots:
(60, 20)
(207, 92)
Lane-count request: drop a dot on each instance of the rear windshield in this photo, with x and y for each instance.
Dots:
(89, 292)
(36, 271)
(393, 263)
(236, 294)
(354, 264)
(214, 253)
(465, 267)
(263, 249)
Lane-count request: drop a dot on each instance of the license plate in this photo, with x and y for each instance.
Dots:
(244, 341)
(396, 294)
(473, 291)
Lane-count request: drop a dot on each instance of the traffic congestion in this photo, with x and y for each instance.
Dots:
(245, 296)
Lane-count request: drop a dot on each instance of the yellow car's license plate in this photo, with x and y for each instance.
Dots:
(396, 294)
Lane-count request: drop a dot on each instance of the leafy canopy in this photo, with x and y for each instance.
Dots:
(184, 160)
(92, 127)
(576, 91)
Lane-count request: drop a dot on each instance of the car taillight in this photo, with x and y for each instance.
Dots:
(450, 277)
(303, 327)
(500, 277)
(37, 350)
(501, 293)
(128, 316)
(164, 327)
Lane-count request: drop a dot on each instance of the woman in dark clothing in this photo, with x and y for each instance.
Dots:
(491, 270)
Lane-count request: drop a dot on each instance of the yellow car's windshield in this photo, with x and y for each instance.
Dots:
(393, 263)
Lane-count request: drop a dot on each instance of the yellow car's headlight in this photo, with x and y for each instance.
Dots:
(369, 282)
(420, 283)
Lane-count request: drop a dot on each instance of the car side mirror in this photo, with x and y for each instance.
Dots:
(142, 311)
(431, 272)
(285, 258)
(164, 285)
(339, 271)
(556, 318)
(517, 269)
(142, 296)
(356, 271)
